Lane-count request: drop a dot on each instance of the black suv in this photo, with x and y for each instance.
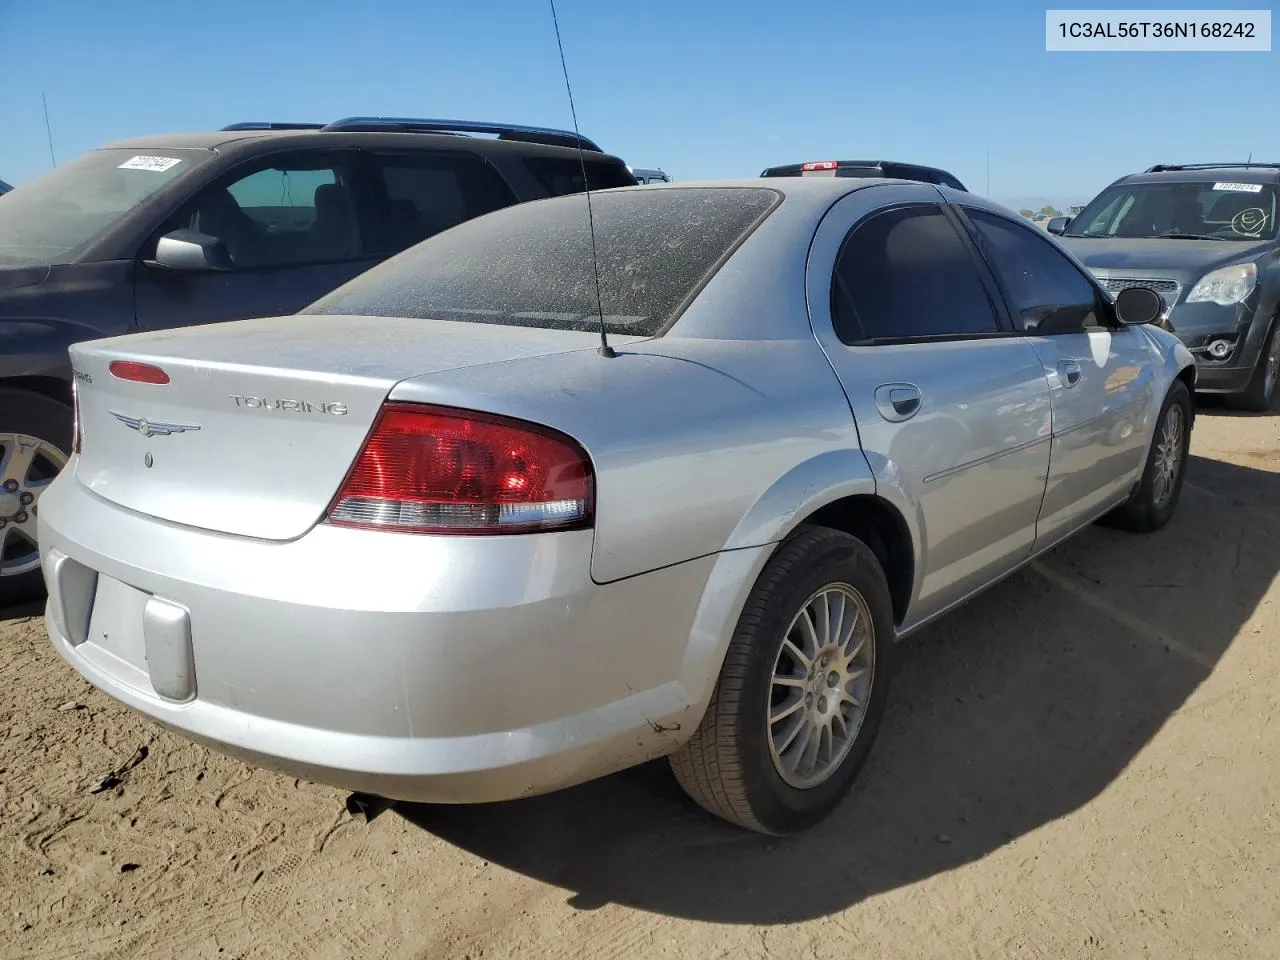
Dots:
(1203, 236)
(255, 219)
(866, 168)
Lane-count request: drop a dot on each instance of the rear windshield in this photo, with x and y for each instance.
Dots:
(51, 218)
(530, 264)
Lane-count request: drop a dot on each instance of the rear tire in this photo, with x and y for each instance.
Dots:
(775, 684)
(1264, 385)
(35, 442)
(1156, 497)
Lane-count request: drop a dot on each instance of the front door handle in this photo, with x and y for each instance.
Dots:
(898, 401)
(1069, 372)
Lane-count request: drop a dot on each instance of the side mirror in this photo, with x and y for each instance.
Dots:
(1138, 305)
(1058, 225)
(191, 251)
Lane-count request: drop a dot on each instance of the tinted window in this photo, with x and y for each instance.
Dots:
(429, 193)
(563, 175)
(1048, 293)
(1220, 208)
(531, 264)
(296, 211)
(908, 273)
(947, 180)
(51, 218)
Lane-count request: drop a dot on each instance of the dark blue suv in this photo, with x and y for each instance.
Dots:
(255, 219)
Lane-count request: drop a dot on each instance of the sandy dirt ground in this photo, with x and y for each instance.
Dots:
(1085, 762)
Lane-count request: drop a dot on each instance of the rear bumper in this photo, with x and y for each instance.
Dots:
(436, 669)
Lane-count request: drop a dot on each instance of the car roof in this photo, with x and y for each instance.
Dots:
(247, 140)
(1199, 172)
(817, 192)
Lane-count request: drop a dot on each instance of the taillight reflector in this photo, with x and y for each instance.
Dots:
(820, 165)
(137, 372)
(426, 469)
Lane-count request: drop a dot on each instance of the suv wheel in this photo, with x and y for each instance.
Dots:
(35, 437)
(801, 692)
(1260, 395)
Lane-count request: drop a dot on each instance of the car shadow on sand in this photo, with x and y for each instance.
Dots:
(21, 612)
(1212, 405)
(1008, 714)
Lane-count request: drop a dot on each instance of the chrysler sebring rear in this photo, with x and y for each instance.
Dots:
(429, 540)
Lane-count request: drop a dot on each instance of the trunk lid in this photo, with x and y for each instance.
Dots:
(261, 419)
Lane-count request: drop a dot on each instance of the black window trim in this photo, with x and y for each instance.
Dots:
(999, 306)
(353, 158)
(1106, 306)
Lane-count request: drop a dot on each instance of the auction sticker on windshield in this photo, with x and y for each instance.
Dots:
(154, 164)
(1239, 187)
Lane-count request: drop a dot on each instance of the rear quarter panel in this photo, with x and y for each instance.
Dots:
(699, 446)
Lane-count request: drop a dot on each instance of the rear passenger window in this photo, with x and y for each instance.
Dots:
(563, 175)
(429, 193)
(1048, 294)
(907, 273)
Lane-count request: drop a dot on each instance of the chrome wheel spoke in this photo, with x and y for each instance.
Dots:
(19, 453)
(802, 660)
(789, 738)
(810, 642)
(787, 710)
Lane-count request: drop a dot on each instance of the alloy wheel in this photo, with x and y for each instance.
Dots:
(27, 467)
(821, 685)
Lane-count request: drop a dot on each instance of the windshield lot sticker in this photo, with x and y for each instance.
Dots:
(1239, 187)
(154, 164)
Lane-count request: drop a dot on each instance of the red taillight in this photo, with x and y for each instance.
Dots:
(430, 469)
(76, 438)
(820, 165)
(137, 372)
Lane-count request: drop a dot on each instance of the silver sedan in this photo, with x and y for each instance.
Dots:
(430, 540)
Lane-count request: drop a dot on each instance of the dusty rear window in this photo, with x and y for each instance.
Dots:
(530, 264)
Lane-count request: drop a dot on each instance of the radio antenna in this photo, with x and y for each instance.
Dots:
(605, 349)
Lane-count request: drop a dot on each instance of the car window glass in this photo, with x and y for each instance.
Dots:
(563, 175)
(908, 273)
(430, 193)
(1218, 209)
(535, 264)
(284, 215)
(1048, 293)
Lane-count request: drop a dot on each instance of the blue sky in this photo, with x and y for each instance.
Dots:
(703, 88)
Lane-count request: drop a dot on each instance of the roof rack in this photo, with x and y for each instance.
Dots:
(1161, 167)
(271, 125)
(504, 131)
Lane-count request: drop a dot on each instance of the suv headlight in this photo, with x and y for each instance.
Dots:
(1226, 285)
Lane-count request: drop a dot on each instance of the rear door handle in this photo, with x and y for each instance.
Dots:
(898, 401)
(1069, 372)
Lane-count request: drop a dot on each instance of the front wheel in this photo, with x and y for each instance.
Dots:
(1260, 395)
(801, 692)
(1156, 497)
(35, 437)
